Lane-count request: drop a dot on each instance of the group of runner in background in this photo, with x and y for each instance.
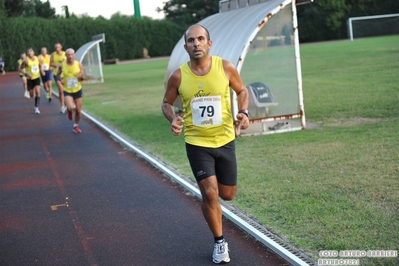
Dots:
(66, 72)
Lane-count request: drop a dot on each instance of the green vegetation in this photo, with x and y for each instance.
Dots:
(125, 36)
(334, 188)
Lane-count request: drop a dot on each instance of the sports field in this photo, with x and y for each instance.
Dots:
(333, 188)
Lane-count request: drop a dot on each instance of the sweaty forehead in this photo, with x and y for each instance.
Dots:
(195, 32)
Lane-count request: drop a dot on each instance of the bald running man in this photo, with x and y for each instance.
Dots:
(72, 74)
(203, 84)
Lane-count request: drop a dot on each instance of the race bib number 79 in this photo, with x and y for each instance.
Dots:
(207, 111)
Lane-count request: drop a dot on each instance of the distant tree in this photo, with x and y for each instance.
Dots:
(327, 19)
(2, 22)
(44, 9)
(118, 15)
(29, 8)
(187, 12)
(377, 7)
(335, 11)
(2, 9)
(14, 8)
(66, 10)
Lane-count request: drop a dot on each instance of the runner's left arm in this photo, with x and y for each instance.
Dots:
(237, 85)
(81, 75)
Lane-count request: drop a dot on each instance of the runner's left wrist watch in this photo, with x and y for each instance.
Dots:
(243, 111)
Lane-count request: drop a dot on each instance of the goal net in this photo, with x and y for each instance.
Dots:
(371, 26)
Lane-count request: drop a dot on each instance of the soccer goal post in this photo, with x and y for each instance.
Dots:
(369, 26)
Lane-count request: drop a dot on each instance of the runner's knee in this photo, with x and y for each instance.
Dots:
(227, 192)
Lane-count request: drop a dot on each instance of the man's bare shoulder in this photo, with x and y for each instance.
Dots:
(175, 75)
(229, 69)
(228, 65)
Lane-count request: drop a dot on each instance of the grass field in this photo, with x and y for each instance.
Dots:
(334, 188)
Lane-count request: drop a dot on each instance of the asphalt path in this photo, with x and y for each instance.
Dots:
(84, 199)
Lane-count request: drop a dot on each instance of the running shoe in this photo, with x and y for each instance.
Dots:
(37, 111)
(26, 95)
(221, 253)
(48, 96)
(76, 129)
(63, 109)
(70, 116)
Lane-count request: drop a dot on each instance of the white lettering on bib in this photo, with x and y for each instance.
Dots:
(45, 67)
(207, 110)
(72, 82)
(34, 69)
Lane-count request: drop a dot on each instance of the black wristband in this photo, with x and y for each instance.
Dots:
(244, 111)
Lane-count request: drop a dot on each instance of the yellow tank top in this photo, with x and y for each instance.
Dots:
(33, 67)
(19, 65)
(45, 60)
(206, 101)
(71, 81)
(58, 59)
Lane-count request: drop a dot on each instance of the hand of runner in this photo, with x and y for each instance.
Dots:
(243, 121)
(176, 125)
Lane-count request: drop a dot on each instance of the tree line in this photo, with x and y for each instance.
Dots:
(320, 20)
(33, 23)
(25, 25)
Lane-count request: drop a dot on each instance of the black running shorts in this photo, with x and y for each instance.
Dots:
(74, 95)
(206, 162)
(32, 83)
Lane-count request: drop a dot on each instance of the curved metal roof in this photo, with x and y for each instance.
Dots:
(231, 32)
(81, 52)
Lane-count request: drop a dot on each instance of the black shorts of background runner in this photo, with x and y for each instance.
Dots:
(221, 162)
(74, 95)
(32, 83)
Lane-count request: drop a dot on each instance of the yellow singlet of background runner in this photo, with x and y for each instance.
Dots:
(207, 106)
(71, 81)
(33, 67)
(45, 60)
(19, 65)
(58, 59)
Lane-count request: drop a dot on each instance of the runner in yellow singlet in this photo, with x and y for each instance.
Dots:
(56, 59)
(204, 83)
(47, 78)
(22, 76)
(73, 74)
(33, 70)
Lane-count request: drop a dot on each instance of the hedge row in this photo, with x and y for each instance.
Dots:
(125, 37)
